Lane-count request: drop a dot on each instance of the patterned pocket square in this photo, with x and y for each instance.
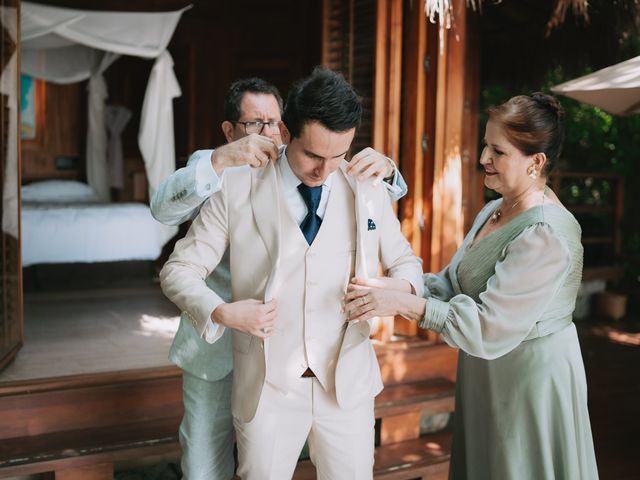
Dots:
(371, 225)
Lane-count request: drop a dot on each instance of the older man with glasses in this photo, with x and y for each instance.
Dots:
(253, 111)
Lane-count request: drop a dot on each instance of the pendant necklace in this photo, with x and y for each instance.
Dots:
(495, 217)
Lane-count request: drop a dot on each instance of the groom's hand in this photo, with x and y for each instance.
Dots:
(249, 316)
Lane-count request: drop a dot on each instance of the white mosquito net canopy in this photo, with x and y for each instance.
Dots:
(63, 45)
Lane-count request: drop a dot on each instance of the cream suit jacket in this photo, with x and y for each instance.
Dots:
(251, 216)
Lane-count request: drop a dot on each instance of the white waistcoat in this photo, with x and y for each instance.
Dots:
(310, 325)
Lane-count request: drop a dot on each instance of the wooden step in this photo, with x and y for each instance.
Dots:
(412, 359)
(78, 426)
(401, 407)
(429, 396)
(83, 421)
(423, 458)
(90, 450)
(81, 402)
(84, 402)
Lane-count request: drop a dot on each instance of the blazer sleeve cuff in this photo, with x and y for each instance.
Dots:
(201, 317)
(396, 186)
(207, 180)
(435, 315)
(212, 331)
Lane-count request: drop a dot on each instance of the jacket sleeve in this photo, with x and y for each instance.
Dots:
(396, 256)
(180, 196)
(195, 256)
(398, 187)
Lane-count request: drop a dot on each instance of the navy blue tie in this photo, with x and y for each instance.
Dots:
(311, 223)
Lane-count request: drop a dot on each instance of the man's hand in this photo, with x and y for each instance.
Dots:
(254, 150)
(248, 316)
(370, 162)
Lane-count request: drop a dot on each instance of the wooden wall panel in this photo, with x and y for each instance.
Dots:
(214, 44)
(349, 46)
(63, 131)
(218, 42)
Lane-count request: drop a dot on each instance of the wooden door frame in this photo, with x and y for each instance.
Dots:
(8, 291)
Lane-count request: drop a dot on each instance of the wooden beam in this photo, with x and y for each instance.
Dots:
(448, 222)
(387, 78)
(412, 158)
(472, 176)
(413, 122)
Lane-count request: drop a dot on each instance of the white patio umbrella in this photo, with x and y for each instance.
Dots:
(615, 89)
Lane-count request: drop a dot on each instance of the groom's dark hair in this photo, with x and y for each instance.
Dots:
(325, 97)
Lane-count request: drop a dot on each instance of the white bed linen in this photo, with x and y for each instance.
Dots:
(90, 232)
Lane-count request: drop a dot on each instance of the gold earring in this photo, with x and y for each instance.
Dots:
(532, 172)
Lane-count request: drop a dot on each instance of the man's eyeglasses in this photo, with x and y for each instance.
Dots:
(257, 126)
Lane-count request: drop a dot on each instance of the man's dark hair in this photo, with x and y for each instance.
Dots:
(237, 90)
(324, 97)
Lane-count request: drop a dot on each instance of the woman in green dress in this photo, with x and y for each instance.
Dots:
(506, 301)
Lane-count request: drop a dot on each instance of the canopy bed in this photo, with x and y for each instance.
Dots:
(64, 222)
(70, 222)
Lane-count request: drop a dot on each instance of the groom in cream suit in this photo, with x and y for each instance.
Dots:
(298, 229)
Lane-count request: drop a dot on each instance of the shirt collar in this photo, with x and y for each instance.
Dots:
(289, 179)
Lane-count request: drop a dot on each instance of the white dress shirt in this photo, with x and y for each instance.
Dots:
(294, 200)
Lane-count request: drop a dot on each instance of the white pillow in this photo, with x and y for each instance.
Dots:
(58, 191)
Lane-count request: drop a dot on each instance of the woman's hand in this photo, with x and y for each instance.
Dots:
(381, 297)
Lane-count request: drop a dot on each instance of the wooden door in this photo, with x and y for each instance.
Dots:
(11, 326)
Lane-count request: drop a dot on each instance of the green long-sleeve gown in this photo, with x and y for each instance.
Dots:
(506, 301)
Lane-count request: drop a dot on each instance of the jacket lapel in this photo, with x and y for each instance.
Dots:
(266, 207)
(361, 222)
(358, 331)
